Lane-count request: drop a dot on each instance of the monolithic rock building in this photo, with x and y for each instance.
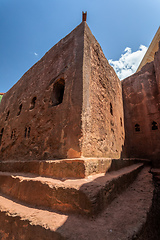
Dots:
(72, 138)
(68, 105)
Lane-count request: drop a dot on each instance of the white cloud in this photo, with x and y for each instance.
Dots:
(128, 62)
(36, 54)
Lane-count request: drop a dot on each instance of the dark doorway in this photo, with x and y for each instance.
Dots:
(58, 92)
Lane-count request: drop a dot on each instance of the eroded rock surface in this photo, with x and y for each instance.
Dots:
(68, 105)
(141, 97)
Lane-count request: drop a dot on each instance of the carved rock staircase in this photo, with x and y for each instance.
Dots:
(156, 174)
(79, 199)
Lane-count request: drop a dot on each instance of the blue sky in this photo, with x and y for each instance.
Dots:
(29, 28)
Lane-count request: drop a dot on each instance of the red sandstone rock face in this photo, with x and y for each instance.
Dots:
(67, 105)
(43, 129)
(157, 66)
(35, 125)
(142, 112)
(103, 129)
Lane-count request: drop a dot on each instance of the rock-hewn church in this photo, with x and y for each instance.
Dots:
(76, 146)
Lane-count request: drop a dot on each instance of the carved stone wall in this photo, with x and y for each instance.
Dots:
(141, 96)
(40, 116)
(103, 124)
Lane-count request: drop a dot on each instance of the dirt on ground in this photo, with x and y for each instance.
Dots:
(151, 230)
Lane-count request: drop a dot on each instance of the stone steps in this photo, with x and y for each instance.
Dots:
(67, 168)
(155, 171)
(86, 196)
(123, 219)
(156, 174)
